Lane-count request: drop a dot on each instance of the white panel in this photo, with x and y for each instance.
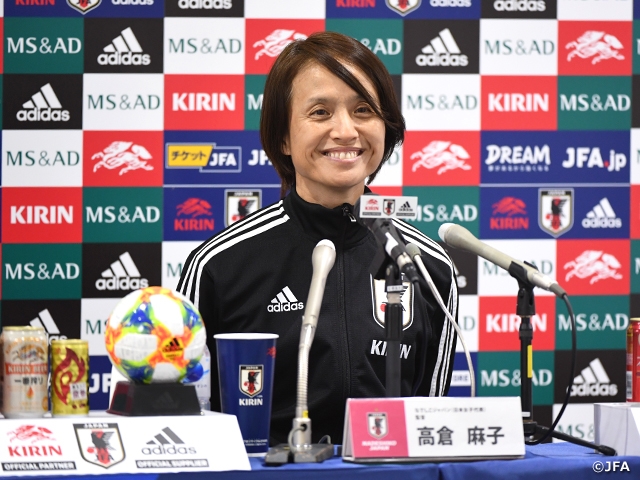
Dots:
(284, 9)
(518, 47)
(441, 101)
(595, 9)
(204, 45)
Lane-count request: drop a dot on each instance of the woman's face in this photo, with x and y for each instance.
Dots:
(335, 139)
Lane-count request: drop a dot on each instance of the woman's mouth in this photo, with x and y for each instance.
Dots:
(343, 155)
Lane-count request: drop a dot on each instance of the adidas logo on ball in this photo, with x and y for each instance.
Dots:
(122, 275)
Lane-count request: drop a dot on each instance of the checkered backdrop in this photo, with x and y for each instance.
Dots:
(129, 135)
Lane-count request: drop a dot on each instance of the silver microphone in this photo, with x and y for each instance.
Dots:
(459, 237)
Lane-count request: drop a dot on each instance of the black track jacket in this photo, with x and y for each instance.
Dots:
(255, 275)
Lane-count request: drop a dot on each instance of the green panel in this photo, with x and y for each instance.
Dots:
(122, 215)
(43, 45)
(438, 205)
(601, 322)
(253, 87)
(499, 375)
(45, 271)
(594, 103)
(635, 266)
(382, 37)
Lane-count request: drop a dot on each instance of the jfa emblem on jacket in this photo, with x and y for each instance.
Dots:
(83, 6)
(100, 443)
(377, 423)
(555, 211)
(251, 379)
(379, 298)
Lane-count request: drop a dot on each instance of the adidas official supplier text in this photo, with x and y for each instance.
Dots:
(167, 443)
(443, 51)
(44, 106)
(285, 301)
(124, 50)
(122, 275)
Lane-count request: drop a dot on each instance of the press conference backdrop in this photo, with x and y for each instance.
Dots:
(129, 135)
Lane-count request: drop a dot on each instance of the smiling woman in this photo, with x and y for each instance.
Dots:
(321, 87)
(330, 119)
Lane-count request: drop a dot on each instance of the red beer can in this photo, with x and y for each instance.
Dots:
(633, 360)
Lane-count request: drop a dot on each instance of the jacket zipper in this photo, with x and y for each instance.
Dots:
(346, 387)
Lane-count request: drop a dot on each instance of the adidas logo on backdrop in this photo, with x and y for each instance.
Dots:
(122, 275)
(167, 443)
(44, 106)
(124, 50)
(593, 381)
(443, 51)
(285, 301)
(602, 216)
(45, 320)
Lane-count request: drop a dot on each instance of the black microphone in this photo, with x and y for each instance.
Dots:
(389, 238)
(459, 237)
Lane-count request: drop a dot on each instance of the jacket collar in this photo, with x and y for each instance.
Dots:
(318, 222)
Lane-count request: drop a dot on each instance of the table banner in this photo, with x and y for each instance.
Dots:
(109, 444)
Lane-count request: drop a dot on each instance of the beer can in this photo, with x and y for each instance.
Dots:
(26, 372)
(633, 360)
(69, 378)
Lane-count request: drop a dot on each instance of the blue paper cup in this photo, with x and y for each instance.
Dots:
(245, 366)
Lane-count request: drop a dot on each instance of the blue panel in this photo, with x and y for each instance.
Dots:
(249, 166)
(361, 9)
(555, 158)
(106, 8)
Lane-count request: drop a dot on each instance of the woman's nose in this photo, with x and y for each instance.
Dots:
(344, 126)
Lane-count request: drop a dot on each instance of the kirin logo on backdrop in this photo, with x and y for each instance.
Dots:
(273, 44)
(593, 265)
(510, 213)
(442, 155)
(193, 208)
(124, 156)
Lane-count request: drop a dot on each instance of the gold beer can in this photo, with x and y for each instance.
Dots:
(69, 378)
(26, 372)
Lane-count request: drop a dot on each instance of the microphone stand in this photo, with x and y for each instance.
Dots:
(525, 309)
(383, 267)
(393, 329)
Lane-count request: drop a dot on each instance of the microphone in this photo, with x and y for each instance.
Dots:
(459, 237)
(322, 259)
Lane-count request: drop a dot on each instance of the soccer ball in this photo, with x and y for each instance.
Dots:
(155, 335)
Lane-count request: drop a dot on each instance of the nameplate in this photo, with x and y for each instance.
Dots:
(112, 444)
(377, 206)
(433, 429)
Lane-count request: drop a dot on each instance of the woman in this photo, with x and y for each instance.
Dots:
(329, 121)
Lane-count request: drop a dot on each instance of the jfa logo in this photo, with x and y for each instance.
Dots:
(378, 425)
(251, 379)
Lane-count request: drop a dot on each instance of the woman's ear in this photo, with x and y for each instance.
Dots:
(285, 147)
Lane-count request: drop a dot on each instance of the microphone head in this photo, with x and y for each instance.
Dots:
(413, 250)
(324, 255)
(442, 231)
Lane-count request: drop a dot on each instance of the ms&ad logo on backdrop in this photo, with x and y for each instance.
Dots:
(594, 48)
(122, 159)
(41, 215)
(594, 267)
(204, 102)
(217, 158)
(441, 158)
(519, 103)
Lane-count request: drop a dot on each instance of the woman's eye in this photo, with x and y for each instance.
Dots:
(364, 109)
(320, 112)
